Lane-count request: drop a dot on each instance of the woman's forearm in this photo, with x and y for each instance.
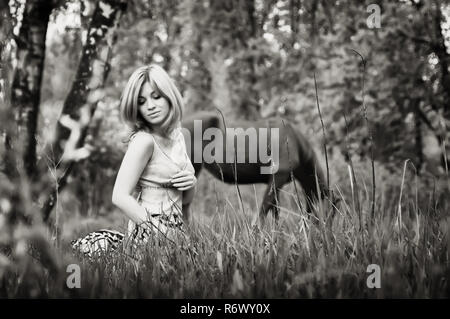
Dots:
(131, 208)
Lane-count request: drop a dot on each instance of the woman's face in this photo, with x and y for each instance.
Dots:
(153, 107)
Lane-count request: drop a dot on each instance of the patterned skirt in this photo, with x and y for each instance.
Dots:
(160, 230)
(163, 226)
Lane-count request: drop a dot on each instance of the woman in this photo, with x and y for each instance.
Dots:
(156, 164)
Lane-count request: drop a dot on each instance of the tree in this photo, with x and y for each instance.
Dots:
(26, 85)
(85, 94)
(78, 109)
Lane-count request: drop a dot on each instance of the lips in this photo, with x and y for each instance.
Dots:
(154, 114)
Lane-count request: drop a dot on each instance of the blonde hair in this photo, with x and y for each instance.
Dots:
(163, 84)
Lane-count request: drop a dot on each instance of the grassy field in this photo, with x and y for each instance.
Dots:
(228, 255)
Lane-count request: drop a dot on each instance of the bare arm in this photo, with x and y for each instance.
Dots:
(138, 153)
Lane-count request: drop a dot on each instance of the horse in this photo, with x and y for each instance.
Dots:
(296, 156)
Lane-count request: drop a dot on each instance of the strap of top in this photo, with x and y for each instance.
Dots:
(170, 158)
(155, 142)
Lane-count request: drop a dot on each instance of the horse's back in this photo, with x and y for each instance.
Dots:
(293, 147)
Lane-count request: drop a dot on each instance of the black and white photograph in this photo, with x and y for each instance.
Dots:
(225, 154)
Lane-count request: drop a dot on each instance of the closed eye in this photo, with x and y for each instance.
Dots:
(156, 96)
(141, 100)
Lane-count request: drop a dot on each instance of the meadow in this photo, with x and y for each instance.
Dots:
(230, 255)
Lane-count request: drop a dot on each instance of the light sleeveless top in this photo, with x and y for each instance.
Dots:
(155, 191)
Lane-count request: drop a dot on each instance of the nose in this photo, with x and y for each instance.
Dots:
(150, 106)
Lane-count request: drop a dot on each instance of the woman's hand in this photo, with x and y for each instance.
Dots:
(184, 180)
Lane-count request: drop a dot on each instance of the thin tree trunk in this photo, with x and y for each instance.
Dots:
(250, 104)
(5, 37)
(93, 68)
(440, 49)
(14, 189)
(5, 24)
(6, 117)
(251, 16)
(436, 44)
(295, 19)
(314, 7)
(26, 85)
(84, 95)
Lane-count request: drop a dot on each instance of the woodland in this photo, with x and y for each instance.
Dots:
(368, 82)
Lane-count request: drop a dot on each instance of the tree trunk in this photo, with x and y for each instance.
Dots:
(438, 43)
(20, 103)
(25, 93)
(439, 48)
(250, 106)
(6, 117)
(84, 95)
(5, 37)
(294, 7)
(5, 23)
(314, 7)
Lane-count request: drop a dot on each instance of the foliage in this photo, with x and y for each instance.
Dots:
(218, 60)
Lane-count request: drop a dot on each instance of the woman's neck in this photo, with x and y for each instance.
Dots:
(170, 135)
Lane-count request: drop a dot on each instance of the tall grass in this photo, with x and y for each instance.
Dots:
(228, 255)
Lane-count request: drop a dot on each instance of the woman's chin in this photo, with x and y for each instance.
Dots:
(155, 121)
(159, 119)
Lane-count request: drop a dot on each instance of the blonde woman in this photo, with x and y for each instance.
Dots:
(156, 165)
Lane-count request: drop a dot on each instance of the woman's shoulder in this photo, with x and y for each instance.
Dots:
(141, 139)
(142, 134)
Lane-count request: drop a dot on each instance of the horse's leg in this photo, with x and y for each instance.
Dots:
(271, 197)
(315, 187)
(312, 179)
